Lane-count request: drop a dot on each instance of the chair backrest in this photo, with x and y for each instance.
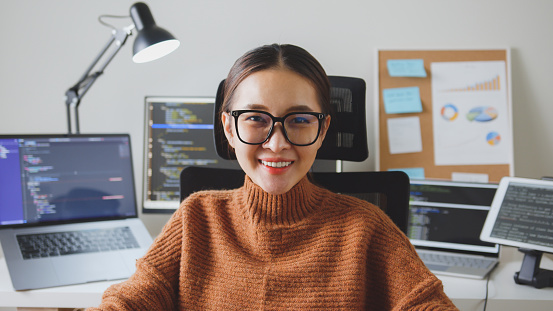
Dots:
(345, 140)
(347, 136)
(387, 190)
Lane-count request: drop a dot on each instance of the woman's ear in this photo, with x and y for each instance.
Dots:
(227, 127)
(324, 130)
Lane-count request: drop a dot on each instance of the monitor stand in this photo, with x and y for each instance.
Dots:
(530, 272)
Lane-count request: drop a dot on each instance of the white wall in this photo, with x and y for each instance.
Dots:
(47, 45)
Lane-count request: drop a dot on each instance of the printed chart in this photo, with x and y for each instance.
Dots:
(471, 116)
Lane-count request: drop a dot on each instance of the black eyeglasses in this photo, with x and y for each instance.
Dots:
(254, 127)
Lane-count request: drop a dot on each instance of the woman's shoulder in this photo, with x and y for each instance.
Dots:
(207, 198)
(210, 194)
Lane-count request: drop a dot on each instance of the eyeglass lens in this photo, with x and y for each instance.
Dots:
(300, 129)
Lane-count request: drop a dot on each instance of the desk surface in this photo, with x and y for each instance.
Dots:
(467, 294)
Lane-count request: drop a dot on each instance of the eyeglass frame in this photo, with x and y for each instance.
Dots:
(320, 117)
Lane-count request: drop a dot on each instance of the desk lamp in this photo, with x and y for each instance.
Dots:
(152, 42)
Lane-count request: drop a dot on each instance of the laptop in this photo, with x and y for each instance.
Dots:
(68, 211)
(445, 221)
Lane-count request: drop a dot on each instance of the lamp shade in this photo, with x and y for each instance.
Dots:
(152, 42)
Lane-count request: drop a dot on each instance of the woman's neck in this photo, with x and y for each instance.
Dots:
(282, 210)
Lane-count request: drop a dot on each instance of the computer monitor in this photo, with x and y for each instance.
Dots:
(179, 133)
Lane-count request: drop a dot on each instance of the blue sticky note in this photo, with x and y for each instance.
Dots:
(402, 100)
(412, 172)
(406, 68)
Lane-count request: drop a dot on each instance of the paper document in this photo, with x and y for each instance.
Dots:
(470, 114)
(404, 135)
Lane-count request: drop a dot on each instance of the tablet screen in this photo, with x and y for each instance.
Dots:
(521, 214)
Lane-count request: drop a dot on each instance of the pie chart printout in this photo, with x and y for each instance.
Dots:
(493, 138)
(482, 114)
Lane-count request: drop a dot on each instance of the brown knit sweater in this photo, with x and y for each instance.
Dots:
(307, 249)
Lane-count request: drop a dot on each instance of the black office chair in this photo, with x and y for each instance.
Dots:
(346, 140)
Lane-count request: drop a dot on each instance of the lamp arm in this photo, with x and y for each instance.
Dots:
(75, 93)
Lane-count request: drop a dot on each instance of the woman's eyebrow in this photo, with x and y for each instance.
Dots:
(295, 108)
(299, 108)
(255, 107)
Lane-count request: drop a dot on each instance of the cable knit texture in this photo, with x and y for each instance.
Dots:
(307, 249)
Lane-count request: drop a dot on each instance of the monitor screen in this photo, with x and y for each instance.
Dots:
(522, 214)
(179, 133)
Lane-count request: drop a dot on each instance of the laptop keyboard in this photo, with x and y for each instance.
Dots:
(75, 242)
(442, 262)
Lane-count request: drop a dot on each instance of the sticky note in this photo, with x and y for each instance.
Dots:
(404, 135)
(406, 68)
(412, 172)
(402, 100)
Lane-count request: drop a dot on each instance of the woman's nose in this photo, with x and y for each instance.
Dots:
(277, 141)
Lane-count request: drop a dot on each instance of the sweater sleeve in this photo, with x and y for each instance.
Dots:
(407, 282)
(154, 284)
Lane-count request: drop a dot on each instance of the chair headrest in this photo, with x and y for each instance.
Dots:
(347, 136)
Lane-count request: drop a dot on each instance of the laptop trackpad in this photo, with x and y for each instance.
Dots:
(90, 267)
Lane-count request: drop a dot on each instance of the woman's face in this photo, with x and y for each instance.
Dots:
(275, 165)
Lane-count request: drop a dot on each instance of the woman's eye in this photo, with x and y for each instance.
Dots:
(300, 120)
(255, 119)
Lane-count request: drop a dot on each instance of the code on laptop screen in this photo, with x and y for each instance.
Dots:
(56, 179)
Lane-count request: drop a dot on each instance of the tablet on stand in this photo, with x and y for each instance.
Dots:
(521, 215)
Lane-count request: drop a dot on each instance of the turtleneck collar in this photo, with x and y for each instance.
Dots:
(282, 210)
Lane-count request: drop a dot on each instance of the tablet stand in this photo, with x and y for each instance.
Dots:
(530, 272)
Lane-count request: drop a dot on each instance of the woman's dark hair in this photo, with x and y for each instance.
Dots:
(286, 56)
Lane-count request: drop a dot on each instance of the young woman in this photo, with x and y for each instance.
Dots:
(279, 242)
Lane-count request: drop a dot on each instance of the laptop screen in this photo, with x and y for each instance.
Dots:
(65, 178)
(450, 215)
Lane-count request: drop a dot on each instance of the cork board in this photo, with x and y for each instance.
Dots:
(425, 159)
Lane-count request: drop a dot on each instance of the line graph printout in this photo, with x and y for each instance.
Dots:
(470, 113)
